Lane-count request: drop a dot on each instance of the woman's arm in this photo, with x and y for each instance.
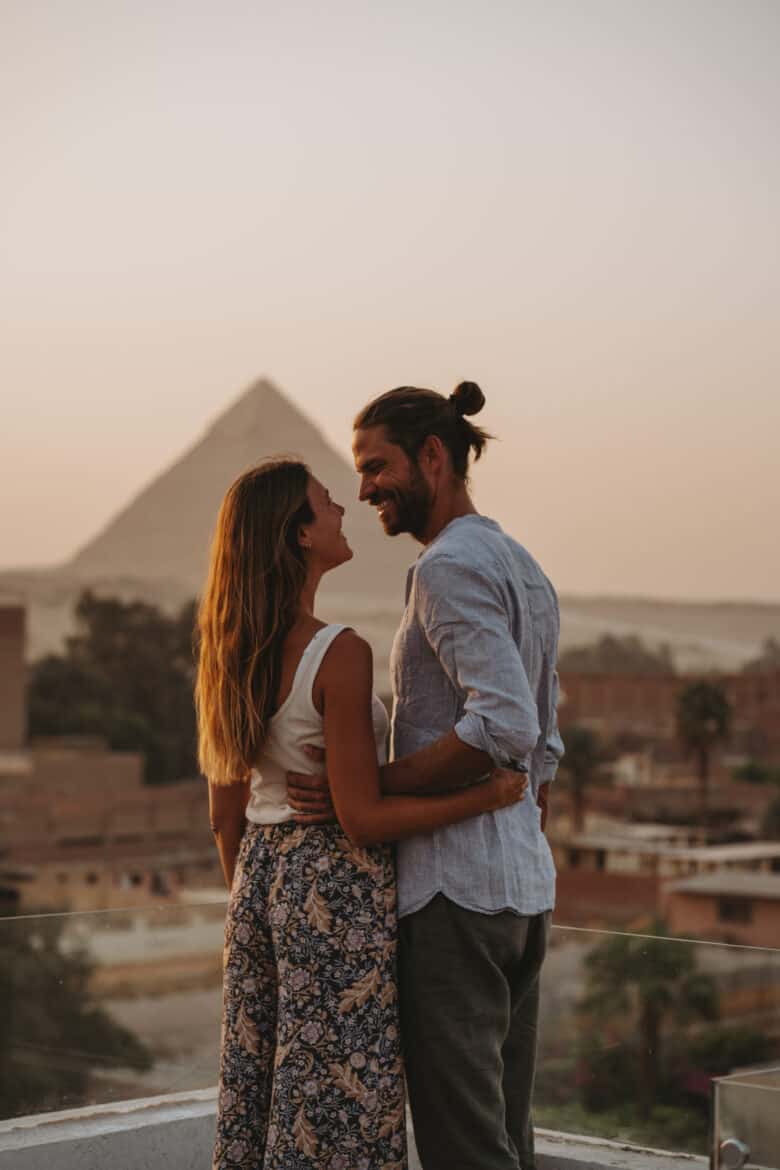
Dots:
(444, 766)
(365, 814)
(441, 766)
(227, 809)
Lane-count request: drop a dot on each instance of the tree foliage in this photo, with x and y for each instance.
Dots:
(756, 773)
(615, 655)
(127, 675)
(52, 1036)
(703, 718)
(582, 764)
(646, 983)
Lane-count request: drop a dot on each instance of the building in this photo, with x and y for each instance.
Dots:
(627, 853)
(646, 704)
(620, 877)
(741, 907)
(79, 829)
(12, 680)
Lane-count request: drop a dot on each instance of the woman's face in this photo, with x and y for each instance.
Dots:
(322, 538)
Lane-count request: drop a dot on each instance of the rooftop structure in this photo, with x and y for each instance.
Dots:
(743, 854)
(740, 884)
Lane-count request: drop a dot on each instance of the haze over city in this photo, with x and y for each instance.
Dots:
(574, 205)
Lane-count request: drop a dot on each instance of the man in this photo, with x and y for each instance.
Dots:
(474, 686)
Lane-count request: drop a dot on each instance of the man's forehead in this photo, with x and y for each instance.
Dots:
(371, 443)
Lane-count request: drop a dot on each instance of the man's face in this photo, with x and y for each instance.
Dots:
(391, 482)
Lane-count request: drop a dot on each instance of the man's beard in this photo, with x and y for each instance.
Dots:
(411, 507)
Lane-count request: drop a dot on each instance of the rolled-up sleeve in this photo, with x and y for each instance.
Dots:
(554, 747)
(466, 621)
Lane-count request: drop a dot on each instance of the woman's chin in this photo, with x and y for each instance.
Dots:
(345, 554)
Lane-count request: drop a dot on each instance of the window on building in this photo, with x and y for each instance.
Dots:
(735, 910)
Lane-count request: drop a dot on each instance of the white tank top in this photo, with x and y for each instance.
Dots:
(295, 725)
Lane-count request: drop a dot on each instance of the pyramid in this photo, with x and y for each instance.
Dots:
(164, 534)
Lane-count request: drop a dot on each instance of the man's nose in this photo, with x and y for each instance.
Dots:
(367, 488)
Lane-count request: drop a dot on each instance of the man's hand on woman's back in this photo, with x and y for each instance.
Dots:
(309, 793)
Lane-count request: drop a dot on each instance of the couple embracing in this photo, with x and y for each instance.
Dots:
(352, 966)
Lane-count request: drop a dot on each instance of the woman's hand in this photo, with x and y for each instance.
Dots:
(503, 788)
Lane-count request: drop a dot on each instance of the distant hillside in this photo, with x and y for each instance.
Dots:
(700, 635)
(156, 549)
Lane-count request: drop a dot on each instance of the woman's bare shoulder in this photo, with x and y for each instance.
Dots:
(347, 652)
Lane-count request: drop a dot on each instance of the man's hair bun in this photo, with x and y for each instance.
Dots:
(467, 398)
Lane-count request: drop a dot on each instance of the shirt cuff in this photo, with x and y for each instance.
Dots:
(471, 730)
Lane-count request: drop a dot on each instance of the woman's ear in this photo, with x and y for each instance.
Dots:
(303, 538)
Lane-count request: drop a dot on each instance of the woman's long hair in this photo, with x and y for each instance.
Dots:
(256, 575)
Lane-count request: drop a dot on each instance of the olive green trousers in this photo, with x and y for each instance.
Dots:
(469, 988)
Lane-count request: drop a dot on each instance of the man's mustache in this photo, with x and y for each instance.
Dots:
(380, 498)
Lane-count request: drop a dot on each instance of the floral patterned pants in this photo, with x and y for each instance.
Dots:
(310, 1072)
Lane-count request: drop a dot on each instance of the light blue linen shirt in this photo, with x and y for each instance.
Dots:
(476, 650)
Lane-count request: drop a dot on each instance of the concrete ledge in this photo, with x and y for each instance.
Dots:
(564, 1151)
(176, 1132)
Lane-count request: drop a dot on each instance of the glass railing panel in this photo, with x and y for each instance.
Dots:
(112, 1005)
(746, 1121)
(109, 1005)
(634, 1028)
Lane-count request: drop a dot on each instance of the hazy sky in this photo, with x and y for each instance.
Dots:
(573, 203)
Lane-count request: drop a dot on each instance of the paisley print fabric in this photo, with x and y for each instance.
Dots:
(311, 1072)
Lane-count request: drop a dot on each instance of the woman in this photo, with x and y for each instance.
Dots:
(310, 1064)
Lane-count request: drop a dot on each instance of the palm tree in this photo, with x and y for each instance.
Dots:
(650, 982)
(582, 764)
(703, 720)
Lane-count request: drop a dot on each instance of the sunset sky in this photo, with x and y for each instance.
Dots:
(573, 202)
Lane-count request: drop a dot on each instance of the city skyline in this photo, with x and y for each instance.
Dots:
(572, 205)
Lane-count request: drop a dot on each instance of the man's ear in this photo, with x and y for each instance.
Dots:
(432, 453)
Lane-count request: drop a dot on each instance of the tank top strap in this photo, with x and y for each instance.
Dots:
(312, 661)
